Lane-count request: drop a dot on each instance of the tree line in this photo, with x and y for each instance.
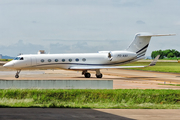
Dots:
(165, 53)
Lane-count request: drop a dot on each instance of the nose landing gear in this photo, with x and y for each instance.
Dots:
(17, 74)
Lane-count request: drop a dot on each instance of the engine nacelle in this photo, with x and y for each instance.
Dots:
(121, 56)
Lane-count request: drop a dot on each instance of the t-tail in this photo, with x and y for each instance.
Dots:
(141, 42)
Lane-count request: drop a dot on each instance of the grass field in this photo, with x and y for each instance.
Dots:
(170, 84)
(174, 58)
(172, 67)
(5, 59)
(122, 98)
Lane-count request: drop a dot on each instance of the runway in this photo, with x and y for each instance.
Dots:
(88, 114)
(122, 78)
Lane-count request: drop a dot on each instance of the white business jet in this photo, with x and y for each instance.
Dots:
(87, 61)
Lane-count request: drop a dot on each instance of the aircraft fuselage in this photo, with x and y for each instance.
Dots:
(87, 61)
(65, 61)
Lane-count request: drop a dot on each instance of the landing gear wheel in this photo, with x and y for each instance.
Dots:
(87, 75)
(99, 76)
(16, 76)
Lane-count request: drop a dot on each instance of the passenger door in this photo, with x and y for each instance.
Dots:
(33, 61)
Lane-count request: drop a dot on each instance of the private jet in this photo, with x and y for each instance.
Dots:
(87, 61)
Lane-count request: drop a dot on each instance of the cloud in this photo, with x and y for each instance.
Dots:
(77, 46)
(70, 21)
(20, 47)
(59, 48)
(177, 23)
(68, 46)
(130, 3)
(34, 21)
(140, 22)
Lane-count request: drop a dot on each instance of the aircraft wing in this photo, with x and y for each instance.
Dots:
(108, 67)
(101, 67)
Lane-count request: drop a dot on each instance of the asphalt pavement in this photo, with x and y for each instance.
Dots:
(87, 114)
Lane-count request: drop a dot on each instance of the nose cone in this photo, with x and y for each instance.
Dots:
(9, 65)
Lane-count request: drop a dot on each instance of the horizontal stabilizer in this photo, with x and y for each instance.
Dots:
(155, 35)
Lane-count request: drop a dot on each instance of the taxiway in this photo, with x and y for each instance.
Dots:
(122, 78)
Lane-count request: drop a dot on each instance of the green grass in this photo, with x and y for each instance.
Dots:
(170, 84)
(122, 98)
(172, 67)
(174, 58)
(5, 59)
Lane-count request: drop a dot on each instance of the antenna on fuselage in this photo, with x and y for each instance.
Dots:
(41, 52)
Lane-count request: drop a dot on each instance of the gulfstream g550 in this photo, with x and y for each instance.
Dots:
(87, 61)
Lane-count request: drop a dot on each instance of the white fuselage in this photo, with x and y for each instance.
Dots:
(86, 61)
(65, 61)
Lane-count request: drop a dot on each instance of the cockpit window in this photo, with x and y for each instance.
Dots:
(16, 58)
(19, 58)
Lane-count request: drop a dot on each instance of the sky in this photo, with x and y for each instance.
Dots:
(80, 26)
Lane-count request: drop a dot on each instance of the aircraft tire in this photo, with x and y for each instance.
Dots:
(99, 76)
(16, 76)
(87, 75)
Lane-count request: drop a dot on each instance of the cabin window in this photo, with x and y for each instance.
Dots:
(49, 60)
(63, 60)
(70, 60)
(77, 59)
(56, 60)
(84, 59)
(21, 58)
(42, 60)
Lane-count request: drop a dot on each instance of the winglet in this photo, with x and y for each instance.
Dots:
(154, 61)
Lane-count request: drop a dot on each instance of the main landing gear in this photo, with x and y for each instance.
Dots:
(17, 74)
(88, 75)
(98, 74)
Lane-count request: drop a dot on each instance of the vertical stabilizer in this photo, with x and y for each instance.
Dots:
(141, 43)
